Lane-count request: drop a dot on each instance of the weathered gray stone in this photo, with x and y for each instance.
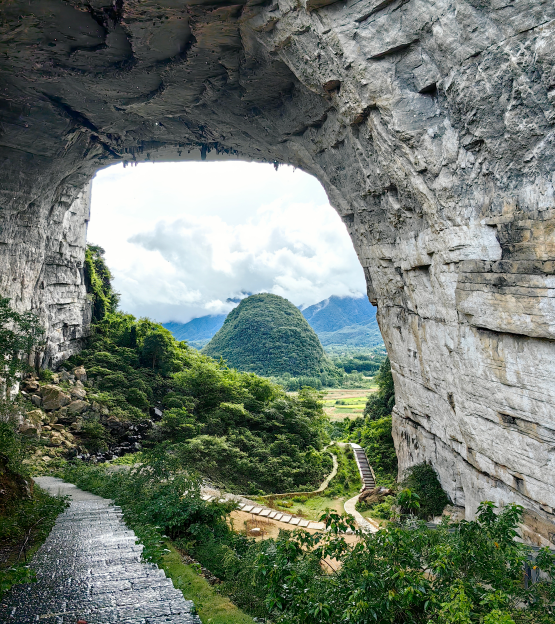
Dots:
(30, 429)
(80, 373)
(77, 407)
(53, 397)
(36, 400)
(78, 393)
(430, 125)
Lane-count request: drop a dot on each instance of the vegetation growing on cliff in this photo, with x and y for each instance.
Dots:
(236, 428)
(380, 404)
(20, 334)
(373, 431)
(27, 514)
(268, 335)
(98, 281)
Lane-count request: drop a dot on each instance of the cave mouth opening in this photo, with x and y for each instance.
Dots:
(190, 239)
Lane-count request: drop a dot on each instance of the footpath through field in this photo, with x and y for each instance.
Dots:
(90, 569)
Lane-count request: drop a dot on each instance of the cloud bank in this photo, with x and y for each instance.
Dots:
(184, 241)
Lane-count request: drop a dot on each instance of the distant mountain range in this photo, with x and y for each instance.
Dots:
(338, 321)
(197, 332)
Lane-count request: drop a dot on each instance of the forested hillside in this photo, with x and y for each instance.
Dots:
(347, 322)
(268, 335)
(234, 427)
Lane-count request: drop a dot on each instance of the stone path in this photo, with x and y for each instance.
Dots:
(368, 483)
(266, 512)
(249, 506)
(90, 569)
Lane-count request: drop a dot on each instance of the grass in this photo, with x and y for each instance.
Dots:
(211, 607)
(24, 525)
(342, 487)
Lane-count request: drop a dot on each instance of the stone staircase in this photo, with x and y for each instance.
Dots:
(90, 568)
(364, 468)
(271, 514)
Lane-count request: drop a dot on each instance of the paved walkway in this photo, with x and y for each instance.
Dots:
(90, 569)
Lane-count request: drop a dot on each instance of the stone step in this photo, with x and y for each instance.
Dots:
(90, 568)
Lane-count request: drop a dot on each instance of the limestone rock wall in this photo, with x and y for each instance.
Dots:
(429, 123)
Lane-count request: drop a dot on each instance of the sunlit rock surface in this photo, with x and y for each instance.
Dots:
(429, 123)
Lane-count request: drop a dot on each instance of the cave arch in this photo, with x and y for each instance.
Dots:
(429, 124)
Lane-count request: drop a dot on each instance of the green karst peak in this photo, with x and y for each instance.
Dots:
(266, 334)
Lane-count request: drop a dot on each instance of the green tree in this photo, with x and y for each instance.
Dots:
(20, 333)
(98, 282)
(381, 402)
(158, 351)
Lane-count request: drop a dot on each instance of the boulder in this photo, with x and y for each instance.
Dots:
(55, 439)
(65, 376)
(30, 385)
(80, 373)
(30, 430)
(377, 495)
(35, 416)
(77, 425)
(77, 407)
(36, 400)
(53, 397)
(78, 393)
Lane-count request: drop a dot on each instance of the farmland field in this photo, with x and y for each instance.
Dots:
(346, 403)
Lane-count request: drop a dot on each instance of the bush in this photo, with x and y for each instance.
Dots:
(458, 574)
(137, 398)
(25, 518)
(173, 402)
(96, 436)
(381, 402)
(422, 480)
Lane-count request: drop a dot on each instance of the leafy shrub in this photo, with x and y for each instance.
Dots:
(137, 398)
(25, 521)
(381, 402)
(114, 381)
(173, 402)
(463, 573)
(96, 436)
(46, 375)
(422, 480)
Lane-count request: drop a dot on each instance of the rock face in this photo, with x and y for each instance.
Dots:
(429, 123)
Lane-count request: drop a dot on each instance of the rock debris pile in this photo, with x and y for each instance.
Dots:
(62, 416)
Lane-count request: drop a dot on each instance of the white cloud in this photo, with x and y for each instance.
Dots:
(182, 238)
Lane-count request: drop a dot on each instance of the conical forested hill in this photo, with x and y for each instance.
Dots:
(268, 335)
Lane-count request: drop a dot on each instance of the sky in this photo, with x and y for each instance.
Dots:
(182, 239)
